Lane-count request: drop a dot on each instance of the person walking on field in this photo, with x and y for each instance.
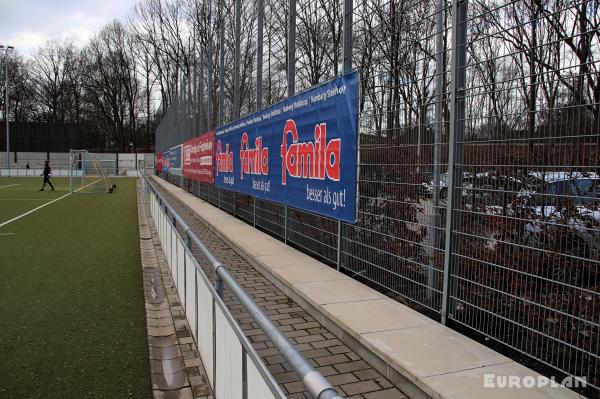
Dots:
(47, 172)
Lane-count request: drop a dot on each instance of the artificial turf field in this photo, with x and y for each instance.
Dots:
(71, 298)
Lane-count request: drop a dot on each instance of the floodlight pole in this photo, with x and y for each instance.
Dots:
(6, 111)
(7, 49)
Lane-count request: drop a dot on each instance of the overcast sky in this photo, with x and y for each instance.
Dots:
(28, 24)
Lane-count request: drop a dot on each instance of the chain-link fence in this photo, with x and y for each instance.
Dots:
(479, 186)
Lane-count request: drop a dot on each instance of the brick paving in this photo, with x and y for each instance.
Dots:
(176, 369)
(344, 369)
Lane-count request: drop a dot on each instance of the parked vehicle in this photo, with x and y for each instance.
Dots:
(556, 205)
(428, 187)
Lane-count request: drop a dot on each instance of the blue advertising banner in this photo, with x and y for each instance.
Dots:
(175, 159)
(301, 152)
(165, 161)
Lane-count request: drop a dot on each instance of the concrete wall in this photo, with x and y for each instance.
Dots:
(60, 161)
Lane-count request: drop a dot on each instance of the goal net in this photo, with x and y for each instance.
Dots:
(88, 174)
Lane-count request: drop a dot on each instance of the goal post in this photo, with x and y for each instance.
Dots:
(88, 174)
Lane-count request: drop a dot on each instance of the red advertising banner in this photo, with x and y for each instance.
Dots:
(159, 162)
(198, 158)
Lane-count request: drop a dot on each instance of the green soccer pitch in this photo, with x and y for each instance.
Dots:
(71, 298)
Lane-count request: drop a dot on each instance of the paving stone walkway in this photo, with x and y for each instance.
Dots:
(347, 371)
(176, 369)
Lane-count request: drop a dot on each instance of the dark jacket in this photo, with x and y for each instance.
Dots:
(47, 170)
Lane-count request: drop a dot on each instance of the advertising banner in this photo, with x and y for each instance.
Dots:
(159, 162)
(301, 152)
(175, 160)
(165, 161)
(198, 158)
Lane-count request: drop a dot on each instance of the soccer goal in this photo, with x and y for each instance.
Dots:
(88, 174)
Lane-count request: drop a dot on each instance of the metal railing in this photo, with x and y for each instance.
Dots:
(479, 140)
(234, 368)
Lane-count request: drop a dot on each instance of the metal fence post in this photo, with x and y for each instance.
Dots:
(347, 55)
(455, 148)
(259, 54)
(189, 107)
(200, 106)
(196, 123)
(346, 68)
(440, 80)
(291, 69)
(236, 61)
(285, 223)
(291, 55)
(221, 67)
(339, 245)
(209, 72)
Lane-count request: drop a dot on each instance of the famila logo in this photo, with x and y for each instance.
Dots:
(224, 159)
(187, 155)
(313, 160)
(254, 161)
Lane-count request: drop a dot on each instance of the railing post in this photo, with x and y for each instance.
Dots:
(188, 241)
(214, 342)
(244, 375)
(455, 150)
(196, 304)
(218, 284)
(184, 275)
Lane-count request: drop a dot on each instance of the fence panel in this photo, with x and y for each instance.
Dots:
(270, 217)
(181, 283)
(257, 388)
(528, 258)
(228, 349)
(190, 293)
(225, 351)
(205, 306)
(478, 181)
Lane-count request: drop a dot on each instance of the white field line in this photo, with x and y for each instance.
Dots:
(46, 204)
(7, 234)
(10, 185)
(23, 199)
